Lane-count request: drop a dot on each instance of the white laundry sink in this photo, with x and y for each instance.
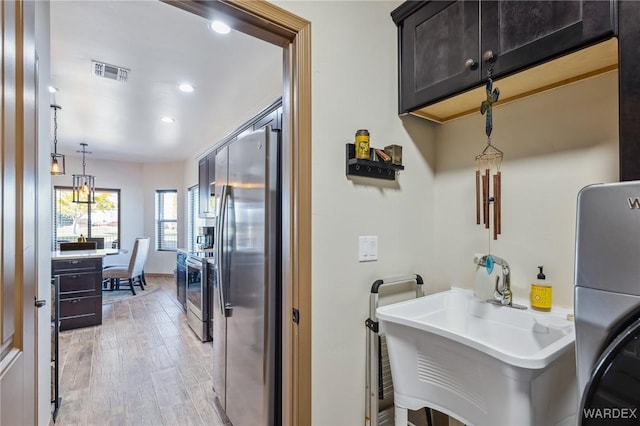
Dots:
(481, 363)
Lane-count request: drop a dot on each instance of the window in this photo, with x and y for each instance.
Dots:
(98, 220)
(166, 220)
(193, 220)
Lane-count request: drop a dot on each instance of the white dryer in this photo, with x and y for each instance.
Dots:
(607, 303)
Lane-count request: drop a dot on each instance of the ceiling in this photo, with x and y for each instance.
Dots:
(235, 76)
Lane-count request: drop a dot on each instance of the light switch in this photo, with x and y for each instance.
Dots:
(368, 248)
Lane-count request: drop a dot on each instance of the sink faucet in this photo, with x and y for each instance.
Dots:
(502, 294)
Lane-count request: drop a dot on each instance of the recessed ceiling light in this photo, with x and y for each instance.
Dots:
(220, 27)
(53, 89)
(186, 87)
(168, 119)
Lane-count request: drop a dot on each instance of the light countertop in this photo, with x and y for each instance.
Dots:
(84, 254)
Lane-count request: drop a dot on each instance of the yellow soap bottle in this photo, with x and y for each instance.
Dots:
(541, 293)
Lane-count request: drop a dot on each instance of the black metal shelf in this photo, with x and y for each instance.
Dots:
(368, 168)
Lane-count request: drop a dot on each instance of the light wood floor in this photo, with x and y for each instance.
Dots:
(142, 366)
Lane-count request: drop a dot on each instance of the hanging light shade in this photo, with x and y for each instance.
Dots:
(84, 188)
(57, 160)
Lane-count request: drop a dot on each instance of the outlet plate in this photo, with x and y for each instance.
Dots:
(368, 248)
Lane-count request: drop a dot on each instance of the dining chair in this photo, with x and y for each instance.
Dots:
(89, 245)
(98, 240)
(133, 272)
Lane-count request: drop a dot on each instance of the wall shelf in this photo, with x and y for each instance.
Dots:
(368, 168)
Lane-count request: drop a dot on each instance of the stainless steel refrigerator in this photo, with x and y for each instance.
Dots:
(246, 302)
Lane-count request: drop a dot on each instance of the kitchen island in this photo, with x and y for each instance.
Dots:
(80, 286)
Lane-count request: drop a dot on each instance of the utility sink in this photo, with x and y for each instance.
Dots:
(481, 363)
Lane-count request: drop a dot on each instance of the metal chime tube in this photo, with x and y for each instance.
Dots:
(478, 197)
(497, 190)
(485, 197)
(495, 207)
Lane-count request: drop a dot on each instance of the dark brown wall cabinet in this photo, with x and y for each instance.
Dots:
(206, 185)
(271, 116)
(80, 292)
(441, 44)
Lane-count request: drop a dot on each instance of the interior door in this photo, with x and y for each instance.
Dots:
(17, 230)
(612, 395)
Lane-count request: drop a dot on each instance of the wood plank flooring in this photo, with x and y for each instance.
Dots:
(142, 366)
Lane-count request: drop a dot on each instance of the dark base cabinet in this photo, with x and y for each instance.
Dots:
(80, 295)
(181, 278)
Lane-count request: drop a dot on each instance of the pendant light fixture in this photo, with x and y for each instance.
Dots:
(84, 188)
(57, 160)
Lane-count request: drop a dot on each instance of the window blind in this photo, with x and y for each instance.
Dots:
(97, 220)
(193, 207)
(166, 220)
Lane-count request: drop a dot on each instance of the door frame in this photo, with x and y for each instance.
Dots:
(275, 25)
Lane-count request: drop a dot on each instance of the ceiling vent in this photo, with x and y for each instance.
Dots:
(112, 72)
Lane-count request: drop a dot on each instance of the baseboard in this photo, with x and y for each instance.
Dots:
(151, 274)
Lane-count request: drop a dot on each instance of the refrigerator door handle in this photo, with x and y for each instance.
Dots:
(220, 235)
(224, 306)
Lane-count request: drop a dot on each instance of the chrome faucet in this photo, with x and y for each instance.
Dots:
(502, 294)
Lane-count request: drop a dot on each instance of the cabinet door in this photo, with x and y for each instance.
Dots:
(525, 33)
(211, 172)
(274, 119)
(203, 187)
(435, 42)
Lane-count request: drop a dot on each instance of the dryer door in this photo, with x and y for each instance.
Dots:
(612, 395)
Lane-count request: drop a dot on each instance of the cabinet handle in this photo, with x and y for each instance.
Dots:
(471, 64)
(489, 56)
(40, 303)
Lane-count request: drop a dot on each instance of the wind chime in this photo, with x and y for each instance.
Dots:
(489, 162)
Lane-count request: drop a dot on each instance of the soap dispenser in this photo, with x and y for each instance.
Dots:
(541, 293)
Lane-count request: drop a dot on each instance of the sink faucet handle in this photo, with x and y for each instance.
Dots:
(502, 293)
(498, 290)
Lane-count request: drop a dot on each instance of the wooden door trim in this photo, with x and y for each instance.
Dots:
(275, 25)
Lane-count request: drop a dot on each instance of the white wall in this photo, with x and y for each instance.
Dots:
(162, 176)
(137, 183)
(354, 86)
(554, 144)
